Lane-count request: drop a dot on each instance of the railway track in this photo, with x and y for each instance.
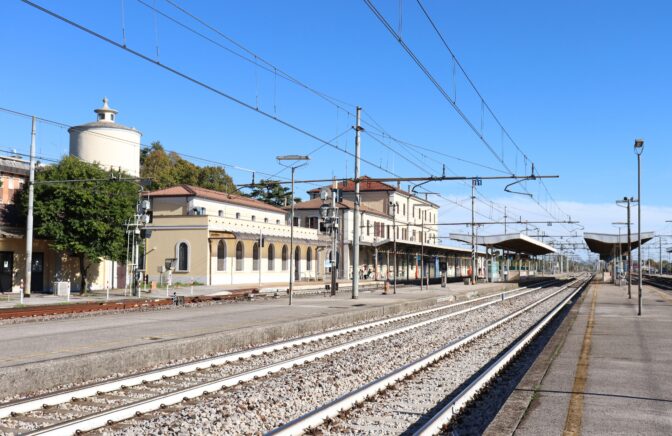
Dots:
(129, 304)
(424, 396)
(660, 282)
(98, 405)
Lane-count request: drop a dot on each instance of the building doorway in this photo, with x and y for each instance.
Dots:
(121, 276)
(37, 273)
(6, 270)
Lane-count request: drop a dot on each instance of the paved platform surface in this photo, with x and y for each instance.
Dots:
(40, 341)
(611, 375)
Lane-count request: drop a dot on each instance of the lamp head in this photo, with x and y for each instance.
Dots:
(639, 146)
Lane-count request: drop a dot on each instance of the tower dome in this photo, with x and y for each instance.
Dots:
(113, 146)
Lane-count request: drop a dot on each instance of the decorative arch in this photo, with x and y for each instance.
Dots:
(183, 256)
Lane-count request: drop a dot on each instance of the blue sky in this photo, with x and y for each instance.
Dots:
(573, 83)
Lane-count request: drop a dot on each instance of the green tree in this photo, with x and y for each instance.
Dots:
(216, 178)
(169, 169)
(86, 219)
(272, 192)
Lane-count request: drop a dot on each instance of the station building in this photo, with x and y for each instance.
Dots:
(388, 213)
(216, 238)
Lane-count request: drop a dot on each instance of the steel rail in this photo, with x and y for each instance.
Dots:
(349, 400)
(61, 397)
(102, 418)
(446, 414)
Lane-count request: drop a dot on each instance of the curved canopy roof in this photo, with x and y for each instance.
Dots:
(606, 245)
(515, 242)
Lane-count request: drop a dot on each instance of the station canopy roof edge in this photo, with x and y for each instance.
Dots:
(607, 244)
(514, 242)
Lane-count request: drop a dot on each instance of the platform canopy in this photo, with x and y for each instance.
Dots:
(607, 244)
(514, 242)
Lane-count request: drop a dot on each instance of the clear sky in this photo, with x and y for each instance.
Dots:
(573, 82)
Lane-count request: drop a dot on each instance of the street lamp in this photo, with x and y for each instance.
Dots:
(295, 158)
(639, 148)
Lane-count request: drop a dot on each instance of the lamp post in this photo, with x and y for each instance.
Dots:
(296, 158)
(639, 148)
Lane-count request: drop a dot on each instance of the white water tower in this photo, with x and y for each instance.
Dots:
(113, 146)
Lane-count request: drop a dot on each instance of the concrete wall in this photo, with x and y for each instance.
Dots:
(111, 147)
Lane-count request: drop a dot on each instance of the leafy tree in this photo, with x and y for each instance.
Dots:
(169, 169)
(272, 192)
(211, 177)
(86, 219)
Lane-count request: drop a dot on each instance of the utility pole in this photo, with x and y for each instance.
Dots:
(355, 229)
(29, 222)
(473, 232)
(639, 147)
(628, 201)
(334, 234)
(292, 157)
(506, 253)
(291, 244)
(422, 248)
(393, 207)
(660, 254)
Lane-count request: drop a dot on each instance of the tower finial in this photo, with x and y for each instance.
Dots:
(105, 101)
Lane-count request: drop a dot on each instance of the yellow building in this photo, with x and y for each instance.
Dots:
(217, 238)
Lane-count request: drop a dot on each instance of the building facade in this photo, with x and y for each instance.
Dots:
(216, 238)
(387, 213)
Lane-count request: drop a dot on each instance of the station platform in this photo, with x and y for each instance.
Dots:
(608, 372)
(38, 354)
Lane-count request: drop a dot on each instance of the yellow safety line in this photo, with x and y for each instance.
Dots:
(575, 410)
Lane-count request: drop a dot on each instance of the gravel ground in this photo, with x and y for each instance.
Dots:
(71, 410)
(407, 406)
(261, 405)
(188, 359)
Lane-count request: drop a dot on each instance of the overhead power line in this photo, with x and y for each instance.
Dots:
(452, 100)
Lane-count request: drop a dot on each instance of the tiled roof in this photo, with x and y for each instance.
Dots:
(315, 204)
(371, 186)
(195, 191)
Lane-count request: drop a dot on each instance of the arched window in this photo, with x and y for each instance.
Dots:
(255, 257)
(221, 256)
(297, 263)
(182, 256)
(368, 227)
(309, 258)
(240, 253)
(285, 257)
(404, 206)
(396, 208)
(271, 257)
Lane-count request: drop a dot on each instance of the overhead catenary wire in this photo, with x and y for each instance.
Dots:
(199, 83)
(115, 138)
(452, 100)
